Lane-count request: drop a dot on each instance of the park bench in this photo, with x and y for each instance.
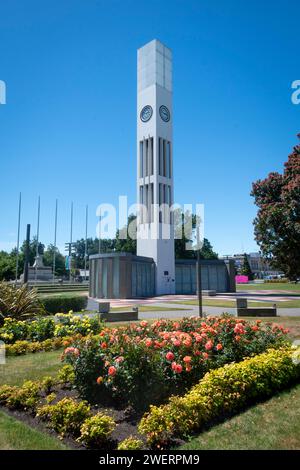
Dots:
(244, 311)
(121, 315)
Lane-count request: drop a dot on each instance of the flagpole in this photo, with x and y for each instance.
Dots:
(18, 239)
(99, 241)
(71, 239)
(55, 233)
(37, 237)
(85, 246)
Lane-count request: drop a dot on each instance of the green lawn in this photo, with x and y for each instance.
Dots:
(272, 425)
(31, 366)
(232, 304)
(15, 435)
(270, 286)
(146, 308)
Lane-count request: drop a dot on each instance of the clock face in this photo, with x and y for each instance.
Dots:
(146, 113)
(164, 113)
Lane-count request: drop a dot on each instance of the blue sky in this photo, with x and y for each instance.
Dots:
(68, 130)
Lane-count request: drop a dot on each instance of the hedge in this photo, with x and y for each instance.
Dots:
(222, 391)
(51, 344)
(64, 303)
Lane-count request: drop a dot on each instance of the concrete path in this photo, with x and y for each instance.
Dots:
(189, 310)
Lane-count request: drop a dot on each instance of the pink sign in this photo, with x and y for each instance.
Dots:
(241, 279)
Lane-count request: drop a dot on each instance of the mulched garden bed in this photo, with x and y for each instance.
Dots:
(125, 417)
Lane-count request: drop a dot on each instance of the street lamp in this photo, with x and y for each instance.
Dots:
(196, 236)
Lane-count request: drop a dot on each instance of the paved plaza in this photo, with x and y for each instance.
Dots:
(173, 303)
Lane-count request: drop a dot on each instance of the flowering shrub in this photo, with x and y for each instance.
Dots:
(131, 443)
(147, 362)
(69, 324)
(46, 328)
(65, 416)
(41, 329)
(96, 430)
(224, 390)
(13, 330)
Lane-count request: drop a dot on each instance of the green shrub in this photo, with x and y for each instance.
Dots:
(64, 303)
(23, 347)
(66, 375)
(65, 416)
(13, 330)
(24, 397)
(45, 334)
(6, 391)
(50, 398)
(41, 329)
(96, 430)
(225, 390)
(131, 443)
(46, 384)
(19, 302)
(68, 324)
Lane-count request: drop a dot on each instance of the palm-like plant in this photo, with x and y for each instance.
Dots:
(19, 302)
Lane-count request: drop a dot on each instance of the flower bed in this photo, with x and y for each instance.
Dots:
(53, 402)
(46, 328)
(222, 391)
(24, 347)
(67, 416)
(145, 363)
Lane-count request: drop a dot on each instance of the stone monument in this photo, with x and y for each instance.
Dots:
(38, 272)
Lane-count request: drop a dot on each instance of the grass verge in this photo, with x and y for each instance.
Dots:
(31, 366)
(284, 286)
(232, 303)
(146, 308)
(15, 435)
(272, 425)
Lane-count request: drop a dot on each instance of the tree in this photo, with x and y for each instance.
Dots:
(181, 252)
(126, 237)
(7, 267)
(60, 267)
(106, 246)
(246, 268)
(277, 224)
(32, 251)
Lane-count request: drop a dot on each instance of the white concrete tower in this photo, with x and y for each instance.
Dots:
(155, 234)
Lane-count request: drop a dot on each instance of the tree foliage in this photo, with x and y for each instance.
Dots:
(119, 244)
(277, 224)
(246, 268)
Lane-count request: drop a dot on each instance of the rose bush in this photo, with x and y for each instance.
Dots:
(145, 363)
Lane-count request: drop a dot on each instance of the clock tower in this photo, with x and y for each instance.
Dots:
(155, 194)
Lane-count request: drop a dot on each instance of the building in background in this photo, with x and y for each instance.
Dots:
(260, 267)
